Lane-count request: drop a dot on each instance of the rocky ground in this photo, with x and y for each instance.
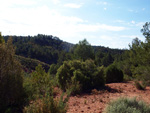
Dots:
(96, 101)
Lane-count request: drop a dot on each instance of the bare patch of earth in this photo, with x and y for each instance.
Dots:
(96, 101)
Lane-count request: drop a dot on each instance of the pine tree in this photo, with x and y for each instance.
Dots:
(11, 88)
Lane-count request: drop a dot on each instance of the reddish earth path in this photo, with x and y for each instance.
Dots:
(97, 100)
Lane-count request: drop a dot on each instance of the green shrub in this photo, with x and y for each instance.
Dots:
(113, 74)
(40, 81)
(125, 105)
(63, 75)
(53, 69)
(11, 80)
(74, 87)
(142, 73)
(42, 95)
(47, 105)
(84, 73)
(98, 78)
(28, 88)
(127, 78)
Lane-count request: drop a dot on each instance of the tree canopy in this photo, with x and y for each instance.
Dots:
(83, 50)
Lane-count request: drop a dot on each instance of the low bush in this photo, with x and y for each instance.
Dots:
(86, 75)
(41, 96)
(113, 74)
(127, 78)
(126, 105)
(74, 87)
(28, 88)
(47, 105)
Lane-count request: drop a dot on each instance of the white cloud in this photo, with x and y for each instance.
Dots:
(133, 22)
(102, 3)
(117, 41)
(111, 28)
(11, 3)
(105, 3)
(137, 24)
(95, 28)
(36, 20)
(24, 2)
(56, 1)
(129, 36)
(105, 8)
(140, 24)
(42, 19)
(73, 5)
(133, 11)
(130, 10)
(106, 37)
(113, 41)
(120, 21)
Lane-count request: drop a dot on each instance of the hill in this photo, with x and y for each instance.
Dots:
(29, 64)
(41, 47)
(51, 50)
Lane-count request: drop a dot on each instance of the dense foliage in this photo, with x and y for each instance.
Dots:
(83, 50)
(29, 64)
(86, 73)
(41, 47)
(29, 93)
(11, 81)
(52, 50)
(42, 94)
(113, 74)
(136, 62)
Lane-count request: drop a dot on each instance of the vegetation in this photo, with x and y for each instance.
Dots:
(46, 105)
(113, 74)
(1, 39)
(53, 69)
(83, 50)
(30, 72)
(44, 48)
(29, 64)
(135, 62)
(140, 86)
(85, 73)
(52, 50)
(11, 81)
(29, 93)
(125, 105)
(43, 95)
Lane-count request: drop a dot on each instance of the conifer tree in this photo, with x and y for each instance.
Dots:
(11, 88)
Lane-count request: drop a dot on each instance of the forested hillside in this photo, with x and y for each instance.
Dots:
(52, 50)
(41, 47)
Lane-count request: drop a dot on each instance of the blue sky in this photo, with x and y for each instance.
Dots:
(109, 23)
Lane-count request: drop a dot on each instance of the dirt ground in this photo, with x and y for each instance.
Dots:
(96, 101)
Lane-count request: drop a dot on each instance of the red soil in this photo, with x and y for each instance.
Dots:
(97, 100)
